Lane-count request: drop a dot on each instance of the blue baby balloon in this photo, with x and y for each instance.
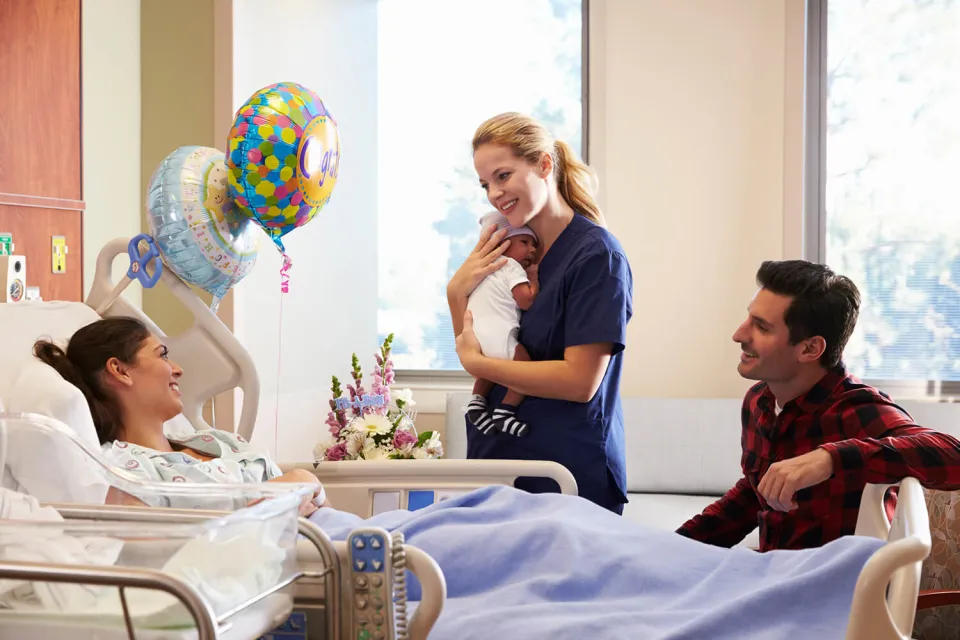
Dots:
(201, 234)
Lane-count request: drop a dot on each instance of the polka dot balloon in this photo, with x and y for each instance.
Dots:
(283, 158)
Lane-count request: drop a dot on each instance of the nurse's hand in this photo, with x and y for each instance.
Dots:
(468, 347)
(485, 258)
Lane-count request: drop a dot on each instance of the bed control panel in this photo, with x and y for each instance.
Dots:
(371, 573)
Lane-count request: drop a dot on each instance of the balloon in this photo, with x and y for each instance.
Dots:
(283, 158)
(202, 236)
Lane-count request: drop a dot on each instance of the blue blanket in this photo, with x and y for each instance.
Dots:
(523, 566)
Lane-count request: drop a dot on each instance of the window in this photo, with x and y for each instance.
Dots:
(443, 68)
(887, 194)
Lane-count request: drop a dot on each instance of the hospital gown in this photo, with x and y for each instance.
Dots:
(234, 462)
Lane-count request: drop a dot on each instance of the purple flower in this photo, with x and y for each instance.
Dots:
(402, 438)
(337, 452)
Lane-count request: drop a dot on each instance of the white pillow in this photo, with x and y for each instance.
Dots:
(47, 465)
(178, 427)
(26, 322)
(40, 389)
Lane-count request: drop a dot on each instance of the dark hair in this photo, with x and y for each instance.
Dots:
(823, 303)
(85, 360)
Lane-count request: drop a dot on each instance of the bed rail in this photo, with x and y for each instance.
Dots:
(885, 597)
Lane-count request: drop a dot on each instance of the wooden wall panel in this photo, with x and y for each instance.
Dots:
(33, 229)
(40, 128)
(41, 165)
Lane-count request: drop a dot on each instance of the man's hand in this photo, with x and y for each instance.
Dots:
(783, 479)
(468, 347)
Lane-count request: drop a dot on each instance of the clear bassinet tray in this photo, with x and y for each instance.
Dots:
(230, 548)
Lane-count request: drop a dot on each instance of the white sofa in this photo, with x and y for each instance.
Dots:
(684, 453)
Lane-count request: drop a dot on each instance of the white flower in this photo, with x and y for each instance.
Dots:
(405, 396)
(371, 424)
(320, 449)
(433, 446)
(420, 454)
(357, 442)
(376, 453)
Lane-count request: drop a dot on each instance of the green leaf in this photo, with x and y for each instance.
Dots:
(422, 439)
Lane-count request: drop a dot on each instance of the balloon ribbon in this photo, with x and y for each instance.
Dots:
(284, 276)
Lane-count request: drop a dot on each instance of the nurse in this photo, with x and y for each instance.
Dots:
(575, 331)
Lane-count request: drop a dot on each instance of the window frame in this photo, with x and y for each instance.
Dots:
(815, 188)
(429, 378)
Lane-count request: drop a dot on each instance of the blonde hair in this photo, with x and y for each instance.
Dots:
(529, 139)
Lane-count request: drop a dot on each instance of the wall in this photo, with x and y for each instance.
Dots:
(691, 134)
(177, 94)
(111, 131)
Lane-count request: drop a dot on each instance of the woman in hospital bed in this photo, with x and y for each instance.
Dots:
(132, 388)
(517, 565)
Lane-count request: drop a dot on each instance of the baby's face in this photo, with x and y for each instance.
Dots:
(523, 249)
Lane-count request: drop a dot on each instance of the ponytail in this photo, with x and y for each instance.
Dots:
(577, 183)
(529, 139)
(85, 359)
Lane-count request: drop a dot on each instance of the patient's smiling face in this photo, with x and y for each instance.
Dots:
(152, 383)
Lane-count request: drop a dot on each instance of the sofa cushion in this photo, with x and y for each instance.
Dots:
(669, 511)
(682, 445)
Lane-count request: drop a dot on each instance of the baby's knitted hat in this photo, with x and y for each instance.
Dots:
(495, 217)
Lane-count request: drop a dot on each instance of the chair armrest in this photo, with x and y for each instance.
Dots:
(937, 598)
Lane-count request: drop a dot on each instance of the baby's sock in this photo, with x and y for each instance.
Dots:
(505, 420)
(478, 414)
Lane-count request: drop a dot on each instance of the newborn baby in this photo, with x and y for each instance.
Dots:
(496, 305)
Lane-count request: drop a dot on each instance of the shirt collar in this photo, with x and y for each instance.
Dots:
(815, 397)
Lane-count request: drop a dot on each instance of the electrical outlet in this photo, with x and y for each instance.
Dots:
(6, 244)
(59, 253)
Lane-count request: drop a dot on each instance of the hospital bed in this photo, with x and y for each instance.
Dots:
(238, 562)
(214, 361)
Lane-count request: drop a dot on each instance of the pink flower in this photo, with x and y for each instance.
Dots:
(403, 438)
(335, 430)
(337, 452)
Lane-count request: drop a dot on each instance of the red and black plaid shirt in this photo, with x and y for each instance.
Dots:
(871, 439)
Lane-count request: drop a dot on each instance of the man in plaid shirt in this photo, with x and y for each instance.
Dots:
(813, 435)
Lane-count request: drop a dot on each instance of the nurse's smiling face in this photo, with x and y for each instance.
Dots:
(517, 188)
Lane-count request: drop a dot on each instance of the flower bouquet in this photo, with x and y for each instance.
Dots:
(376, 425)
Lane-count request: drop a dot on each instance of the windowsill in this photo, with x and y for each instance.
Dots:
(430, 392)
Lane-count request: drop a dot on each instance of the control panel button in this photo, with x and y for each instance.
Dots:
(377, 603)
(376, 565)
(375, 543)
(376, 581)
(360, 564)
(362, 582)
(358, 543)
(378, 635)
(362, 602)
(377, 619)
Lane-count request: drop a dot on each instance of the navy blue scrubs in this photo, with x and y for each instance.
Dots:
(586, 296)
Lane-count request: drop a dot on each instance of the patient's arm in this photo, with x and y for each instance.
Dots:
(115, 496)
(727, 521)
(302, 476)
